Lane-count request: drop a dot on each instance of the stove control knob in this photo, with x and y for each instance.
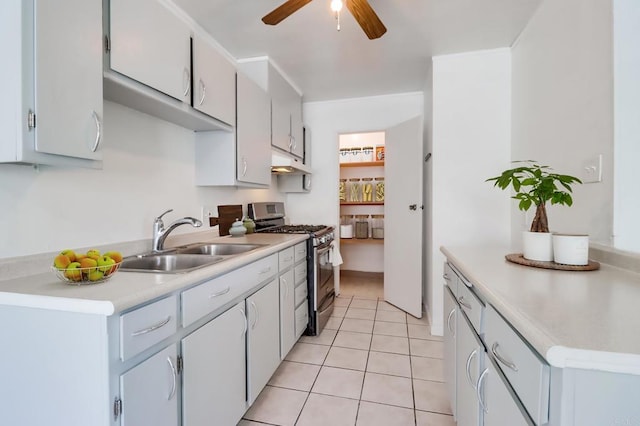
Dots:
(322, 239)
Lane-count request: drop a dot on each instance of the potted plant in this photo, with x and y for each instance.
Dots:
(537, 185)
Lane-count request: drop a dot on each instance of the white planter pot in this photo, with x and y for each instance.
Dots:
(537, 246)
(571, 249)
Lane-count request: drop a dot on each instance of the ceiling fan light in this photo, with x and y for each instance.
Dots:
(336, 5)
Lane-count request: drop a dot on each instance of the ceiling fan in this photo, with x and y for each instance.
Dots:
(360, 9)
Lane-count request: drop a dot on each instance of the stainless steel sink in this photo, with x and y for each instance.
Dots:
(218, 249)
(167, 262)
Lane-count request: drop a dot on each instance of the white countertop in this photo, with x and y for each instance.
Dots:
(588, 320)
(127, 289)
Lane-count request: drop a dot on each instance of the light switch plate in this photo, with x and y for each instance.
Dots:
(592, 169)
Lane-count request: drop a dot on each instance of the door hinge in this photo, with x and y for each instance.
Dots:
(31, 120)
(117, 408)
(180, 364)
(107, 44)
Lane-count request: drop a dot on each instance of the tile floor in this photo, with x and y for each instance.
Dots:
(372, 365)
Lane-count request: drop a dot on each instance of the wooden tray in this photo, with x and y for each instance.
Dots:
(520, 260)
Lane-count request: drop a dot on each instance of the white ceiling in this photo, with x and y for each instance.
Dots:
(327, 64)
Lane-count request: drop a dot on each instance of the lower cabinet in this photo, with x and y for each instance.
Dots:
(287, 313)
(263, 338)
(497, 403)
(150, 391)
(469, 357)
(214, 375)
(450, 324)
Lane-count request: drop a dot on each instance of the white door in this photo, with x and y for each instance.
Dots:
(68, 77)
(263, 338)
(214, 375)
(149, 391)
(403, 211)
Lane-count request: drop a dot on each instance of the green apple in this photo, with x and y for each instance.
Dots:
(105, 263)
(73, 271)
(94, 254)
(95, 275)
(70, 254)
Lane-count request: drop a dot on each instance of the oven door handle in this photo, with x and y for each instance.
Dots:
(323, 249)
(332, 298)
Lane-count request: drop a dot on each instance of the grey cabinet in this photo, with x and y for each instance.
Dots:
(469, 360)
(51, 106)
(450, 324)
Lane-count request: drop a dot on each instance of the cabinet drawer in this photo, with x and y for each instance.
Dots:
(209, 296)
(300, 251)
(450, 279)
(285, 258)
(146, 326)
(301, 293)
(300, 272)
(471, 306)
(302, 319)
(527, 373)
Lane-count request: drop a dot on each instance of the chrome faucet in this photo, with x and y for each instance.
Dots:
(160, 233)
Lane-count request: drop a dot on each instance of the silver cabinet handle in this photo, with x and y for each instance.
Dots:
(203, 90)
(479, 390)
(295, 143)
(186, 78)
(464, 304)
(469, 379)
(96, 144)
(509, 364)
(244, 322)
(255, 316)
(446, 277)
(286, 288)
(453, 311)
(174, 374)
(220, 293)
(152, 328)
(290, 258)
(244, 166)
(265, 270)
(290, 141)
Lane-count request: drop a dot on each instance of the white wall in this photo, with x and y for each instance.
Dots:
(148, 168)
(562, 107)
(471, 138)
(626, 20)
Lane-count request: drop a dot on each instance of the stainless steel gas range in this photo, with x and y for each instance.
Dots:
(269, 217)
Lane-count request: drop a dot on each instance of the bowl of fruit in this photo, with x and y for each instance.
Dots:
(91, 267)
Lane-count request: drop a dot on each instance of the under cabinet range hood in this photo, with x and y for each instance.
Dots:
(284, 164)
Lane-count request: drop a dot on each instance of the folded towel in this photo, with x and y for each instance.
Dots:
(334, 254)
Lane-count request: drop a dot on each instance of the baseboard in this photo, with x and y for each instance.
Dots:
(361, 274)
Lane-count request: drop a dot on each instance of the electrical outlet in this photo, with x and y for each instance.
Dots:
(206, 212)
(592, 169)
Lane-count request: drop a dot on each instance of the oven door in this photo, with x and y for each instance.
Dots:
(323, 275)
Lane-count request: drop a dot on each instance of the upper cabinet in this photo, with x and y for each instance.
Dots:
(242, 158)
(151, 45)
(51, 108)
(286, 106)
(213, 77)
(158, 63)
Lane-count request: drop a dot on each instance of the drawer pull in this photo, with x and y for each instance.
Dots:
(464, 304)
(175, 379)
(220, 293)
(494, 351)
(154, 327)
(255, 315)
(479, 390)
(446, 277)
(288, 259)
(469, 379)
(265, 270)
(453, 311)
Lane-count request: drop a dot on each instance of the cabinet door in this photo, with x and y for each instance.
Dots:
(214, 375)
(68, 77)
(280, 125)
(287, 313)
(297, 135)
(263, 338)
(214, 79)
(151, 45)
(252, 134)
(450, 314)
(499, 406)
(149, 391)
(469, 353)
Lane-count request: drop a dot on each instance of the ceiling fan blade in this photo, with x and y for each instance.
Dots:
(367, 18)
(283, 11)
